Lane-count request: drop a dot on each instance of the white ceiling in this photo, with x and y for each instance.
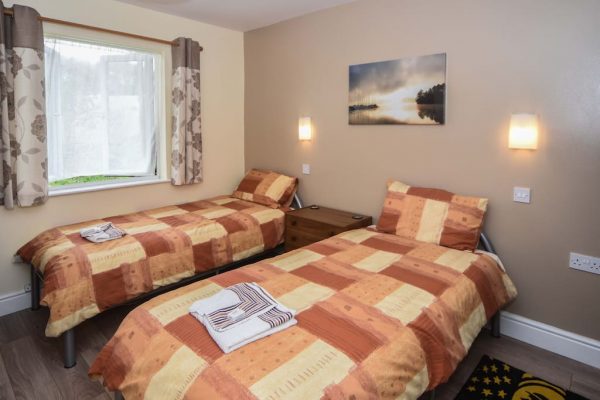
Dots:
(241, 15)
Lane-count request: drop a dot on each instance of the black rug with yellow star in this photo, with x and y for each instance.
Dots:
(494, 380)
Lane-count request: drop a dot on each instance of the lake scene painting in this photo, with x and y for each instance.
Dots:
(406, 91)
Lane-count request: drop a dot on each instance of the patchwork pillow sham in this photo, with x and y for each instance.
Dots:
(432, 215)
(267, 188)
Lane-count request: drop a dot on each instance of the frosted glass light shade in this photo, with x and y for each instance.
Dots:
(304, 128)
(523, 133)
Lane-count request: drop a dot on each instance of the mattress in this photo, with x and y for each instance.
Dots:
(162, 246)
(379, 316)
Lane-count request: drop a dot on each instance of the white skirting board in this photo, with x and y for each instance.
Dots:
(548, 337)
(14, 302)
(556, 340)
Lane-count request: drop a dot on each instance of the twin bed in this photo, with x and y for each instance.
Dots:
(379, 316)
(163, 247)
(385, 312)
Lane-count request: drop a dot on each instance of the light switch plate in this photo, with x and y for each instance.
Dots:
(306, 169)
(522, 194)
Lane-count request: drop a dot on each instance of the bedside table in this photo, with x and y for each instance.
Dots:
(309, 225)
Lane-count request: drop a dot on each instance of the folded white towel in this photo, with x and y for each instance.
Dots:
(245, 333)
(241, 314)
(102, 233)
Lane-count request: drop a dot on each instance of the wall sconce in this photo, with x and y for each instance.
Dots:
(304, 129)
(523, 133)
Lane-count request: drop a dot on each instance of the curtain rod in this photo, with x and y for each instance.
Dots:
(9, 11)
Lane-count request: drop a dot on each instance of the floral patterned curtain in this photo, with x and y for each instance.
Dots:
(186, 139)
(23, 154)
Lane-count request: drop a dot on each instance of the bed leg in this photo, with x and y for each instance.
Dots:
(70, 356)
(496, 325)
(35, 289)
(118, 395)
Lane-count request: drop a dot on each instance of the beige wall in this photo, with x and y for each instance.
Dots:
(503, 56)
(222, 81)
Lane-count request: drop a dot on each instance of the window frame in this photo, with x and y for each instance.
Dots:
(163, 87)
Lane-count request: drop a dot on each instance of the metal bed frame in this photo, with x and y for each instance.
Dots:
(69, 348)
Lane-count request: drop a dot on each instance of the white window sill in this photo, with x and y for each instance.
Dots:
(94, 187)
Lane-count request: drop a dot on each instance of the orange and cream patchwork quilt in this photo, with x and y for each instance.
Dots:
(162, 246)
(379, 316)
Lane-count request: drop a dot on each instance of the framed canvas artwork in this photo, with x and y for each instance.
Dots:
(407, 91)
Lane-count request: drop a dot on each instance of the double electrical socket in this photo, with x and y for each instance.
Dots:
(584, 263)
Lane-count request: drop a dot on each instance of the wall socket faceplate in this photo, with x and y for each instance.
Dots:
(584, 263)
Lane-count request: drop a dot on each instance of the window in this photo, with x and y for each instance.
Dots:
(104, 108)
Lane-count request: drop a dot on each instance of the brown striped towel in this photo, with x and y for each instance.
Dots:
(249, 300)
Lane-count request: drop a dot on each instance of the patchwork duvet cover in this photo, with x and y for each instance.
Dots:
(162, 246)
(379, 316)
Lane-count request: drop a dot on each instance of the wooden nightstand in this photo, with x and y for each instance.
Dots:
(309, 224)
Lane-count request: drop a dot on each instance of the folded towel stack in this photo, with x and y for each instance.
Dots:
(102, 233)
(241, 314)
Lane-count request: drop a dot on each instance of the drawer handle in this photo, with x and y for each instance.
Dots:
(293, 238)
(294, 223)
